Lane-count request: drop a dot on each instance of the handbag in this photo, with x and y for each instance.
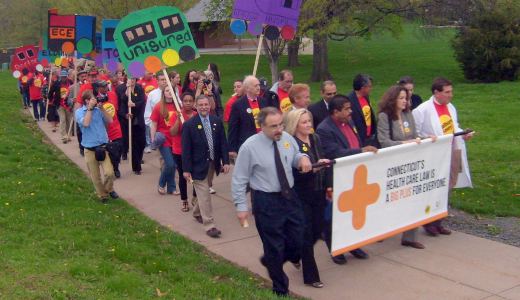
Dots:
(100, 153)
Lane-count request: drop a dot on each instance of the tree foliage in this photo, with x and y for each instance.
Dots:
(488, 47)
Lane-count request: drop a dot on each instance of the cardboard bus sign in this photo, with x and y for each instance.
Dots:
(151, 39)
(69, 33)
(25, 57)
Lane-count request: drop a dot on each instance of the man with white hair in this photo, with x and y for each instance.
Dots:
(242, 120)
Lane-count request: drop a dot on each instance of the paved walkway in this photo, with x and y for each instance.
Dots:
(459, 266)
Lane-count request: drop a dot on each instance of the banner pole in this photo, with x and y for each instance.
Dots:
(260, 41)
(176, 101)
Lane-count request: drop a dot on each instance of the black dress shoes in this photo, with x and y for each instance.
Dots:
(113, 195)
(358, 253)
(339, 259)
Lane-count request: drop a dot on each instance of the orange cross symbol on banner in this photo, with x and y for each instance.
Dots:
(359, 197)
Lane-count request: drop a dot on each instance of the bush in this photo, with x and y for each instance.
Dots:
(488, 48)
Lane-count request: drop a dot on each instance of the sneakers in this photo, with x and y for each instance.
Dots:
(358, 253)
(214, 233)
(147, 150)
(212, 191)
(113, 195)
(415, 245)
(339, 259)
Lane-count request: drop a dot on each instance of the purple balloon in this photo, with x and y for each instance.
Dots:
(136, 69)
(112, 65)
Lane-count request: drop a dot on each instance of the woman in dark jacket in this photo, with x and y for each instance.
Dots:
(310, 188)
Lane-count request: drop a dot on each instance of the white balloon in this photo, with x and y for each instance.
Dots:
(17, 74)
(39, 68)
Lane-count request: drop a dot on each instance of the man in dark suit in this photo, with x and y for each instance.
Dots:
(362, 113)
(338, 139)
(320, 109)
(204, 151)
(242, 120)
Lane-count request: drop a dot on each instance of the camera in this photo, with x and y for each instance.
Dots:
(206, 81)
(101, 98)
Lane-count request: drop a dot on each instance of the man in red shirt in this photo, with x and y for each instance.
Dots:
(339, 139)
(281, 88)
(237, 88)
(148, 82)
(35, 94)
(362, 112)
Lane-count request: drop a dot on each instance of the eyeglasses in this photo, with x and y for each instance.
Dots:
(276, 126)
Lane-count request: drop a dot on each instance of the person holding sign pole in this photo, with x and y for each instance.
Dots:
(396, 126)
(438, 116)
(136, 115)
(339, 138)
(265, 163)
(310, 188)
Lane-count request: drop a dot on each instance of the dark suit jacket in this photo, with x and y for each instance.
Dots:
(195, 149)
(139, 98)
(319, 112)
(333, 142)
(359, 121)
(241, 123)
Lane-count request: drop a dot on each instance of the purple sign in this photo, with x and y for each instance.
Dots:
(277, 13)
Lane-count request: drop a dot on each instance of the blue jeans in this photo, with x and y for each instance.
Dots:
(168, 171)
(148, 138)
(25, 96)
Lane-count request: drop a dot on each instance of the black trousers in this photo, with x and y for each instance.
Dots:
(138, 145)
(313, 212)
(183, 186)
(114, 152)
(80, 136)
(280, 225)
(124, 142)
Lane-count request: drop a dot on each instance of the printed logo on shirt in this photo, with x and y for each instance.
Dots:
(255, 112)
(24, 79)
(38, 82)
(110, 109)
(63, 92)
(148, 89)
(367, 113)
(447, 124)
(285, 104)
(167, 120)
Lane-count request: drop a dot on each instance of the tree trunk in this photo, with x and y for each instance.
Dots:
(320, 60)
(273, 66)
(292, 53)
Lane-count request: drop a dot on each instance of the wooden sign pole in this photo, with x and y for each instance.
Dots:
(176, 100)
(260, 41)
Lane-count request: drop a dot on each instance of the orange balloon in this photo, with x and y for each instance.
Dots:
(67, 47)
(152, 64)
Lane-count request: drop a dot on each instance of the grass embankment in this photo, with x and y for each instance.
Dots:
(58, 242)
(492, 110)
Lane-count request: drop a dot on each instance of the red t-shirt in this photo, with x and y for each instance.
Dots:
(148, 85)
(35, 89)
(254, 109)
(177, 139)
(285, 102)
(229, 104)
(367, 114)
(113, 129)
(163, 124)
(444, 118)
(349, 134)
(83, 87)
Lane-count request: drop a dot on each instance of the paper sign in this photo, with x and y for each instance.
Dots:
(24, 57)
(110, 55)
(153, 38)
(379, 195)
(69, 33)
(266, 13)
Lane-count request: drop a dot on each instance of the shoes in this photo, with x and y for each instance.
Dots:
(443, 230)
(339, 259)
(161, 190)
(137, 172)
(124, 156)
(213, 232)
(212, 191)
(358, 253)
(199, 219)
(317, 284)
(185, 206)
(431, 230)
(415, 245)
(65, 141)
(113, 195)
(117, 174)
(104, 200)
(177, 192)
(147, 150)
(82, 152)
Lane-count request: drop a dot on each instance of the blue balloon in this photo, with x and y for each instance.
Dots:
(238, 27)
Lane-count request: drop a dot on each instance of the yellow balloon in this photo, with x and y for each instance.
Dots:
(57, 61)
(170, 57)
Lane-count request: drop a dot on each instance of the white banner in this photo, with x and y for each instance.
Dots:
(398, 188)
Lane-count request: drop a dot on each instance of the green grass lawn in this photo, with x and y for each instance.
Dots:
(493, 110)
(58, 242)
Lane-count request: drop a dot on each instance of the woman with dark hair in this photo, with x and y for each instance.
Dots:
(396, 126)
(188, 111)
(216, 76)
(310, 188)
(175, 79)
(190, 81)
(408, 83)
